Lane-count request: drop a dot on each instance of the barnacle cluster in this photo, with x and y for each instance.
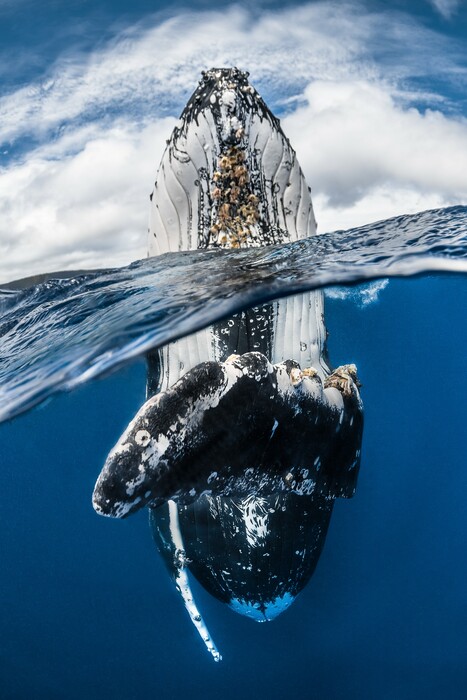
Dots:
(236, 207)
(297, 375)
(344, 378)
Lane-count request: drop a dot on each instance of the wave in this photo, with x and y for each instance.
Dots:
(60, 333)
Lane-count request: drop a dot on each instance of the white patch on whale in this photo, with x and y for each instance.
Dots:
(183, 584)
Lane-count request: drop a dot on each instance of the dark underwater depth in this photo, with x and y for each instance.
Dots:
(87, 607)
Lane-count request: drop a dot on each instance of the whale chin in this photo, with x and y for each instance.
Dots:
(253, 553)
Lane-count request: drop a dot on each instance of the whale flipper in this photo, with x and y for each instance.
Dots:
(238, 427)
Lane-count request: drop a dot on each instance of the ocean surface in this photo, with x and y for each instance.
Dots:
(87, 607)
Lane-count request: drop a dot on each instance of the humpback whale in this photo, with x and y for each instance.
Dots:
(247, 436)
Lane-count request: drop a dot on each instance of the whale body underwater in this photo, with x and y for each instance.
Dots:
(247, 436)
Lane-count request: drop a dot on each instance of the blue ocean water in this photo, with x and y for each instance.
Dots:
(87, 607)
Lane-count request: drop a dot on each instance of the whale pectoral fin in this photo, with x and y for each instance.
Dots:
(232, 427)
(174, 443)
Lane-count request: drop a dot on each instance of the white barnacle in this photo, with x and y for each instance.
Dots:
(142, 437)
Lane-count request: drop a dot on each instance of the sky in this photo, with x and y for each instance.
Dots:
(372, 96)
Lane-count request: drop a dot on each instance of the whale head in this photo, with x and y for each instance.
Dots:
(229, 176)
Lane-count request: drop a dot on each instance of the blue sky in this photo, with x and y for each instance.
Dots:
(371, 94)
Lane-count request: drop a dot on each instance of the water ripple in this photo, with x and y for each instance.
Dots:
(62, 332)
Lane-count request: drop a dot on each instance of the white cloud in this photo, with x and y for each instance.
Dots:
(446, 8)
(368, 157)
(84, 210)
(79, 197)
(146, 70)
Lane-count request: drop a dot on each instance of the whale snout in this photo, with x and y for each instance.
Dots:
(226, 94)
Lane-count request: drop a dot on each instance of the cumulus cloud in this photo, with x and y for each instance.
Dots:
(368, 155)
(82, 210)
(81, 146)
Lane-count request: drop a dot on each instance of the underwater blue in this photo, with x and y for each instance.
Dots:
(87, 607)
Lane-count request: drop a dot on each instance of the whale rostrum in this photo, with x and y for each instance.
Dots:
(229, 176)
